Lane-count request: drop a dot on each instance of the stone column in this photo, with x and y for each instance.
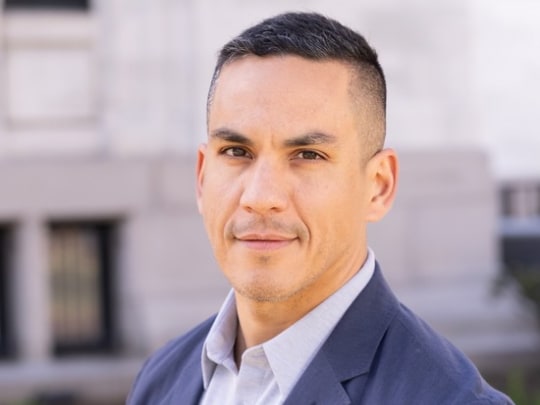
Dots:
(32, 291)
(2, 79)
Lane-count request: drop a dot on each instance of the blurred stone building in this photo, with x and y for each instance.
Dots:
(103, 256)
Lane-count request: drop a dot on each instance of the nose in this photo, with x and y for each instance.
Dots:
(265, 189)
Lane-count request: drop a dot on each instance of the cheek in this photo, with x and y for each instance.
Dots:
(319, 211)
(336, 207)
(218, 200)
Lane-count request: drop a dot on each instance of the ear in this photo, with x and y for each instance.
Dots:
(201, 155)
(383, 175)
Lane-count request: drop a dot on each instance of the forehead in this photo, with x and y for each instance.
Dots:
(286, 69)
(282, 89)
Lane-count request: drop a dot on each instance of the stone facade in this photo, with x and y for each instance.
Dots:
(101, 113)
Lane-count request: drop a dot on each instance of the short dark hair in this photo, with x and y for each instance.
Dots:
(311, 36)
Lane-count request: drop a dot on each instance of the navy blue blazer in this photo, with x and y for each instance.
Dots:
(379, 353)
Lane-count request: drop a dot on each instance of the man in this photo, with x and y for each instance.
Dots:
(293, 170)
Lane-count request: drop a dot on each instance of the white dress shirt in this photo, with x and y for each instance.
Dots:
(269, 371)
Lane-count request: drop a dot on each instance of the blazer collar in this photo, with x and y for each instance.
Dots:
(349, 351)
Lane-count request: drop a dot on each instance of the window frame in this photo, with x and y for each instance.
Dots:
(76, 5)
(106, 240)
(7, 349)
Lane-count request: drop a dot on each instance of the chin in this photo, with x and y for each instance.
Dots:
(263, 293)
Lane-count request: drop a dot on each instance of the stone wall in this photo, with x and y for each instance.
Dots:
(100, 116)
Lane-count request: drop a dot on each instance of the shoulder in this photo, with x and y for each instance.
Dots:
(179, 348)
(408, 360)
(424, 366)
(178, 362)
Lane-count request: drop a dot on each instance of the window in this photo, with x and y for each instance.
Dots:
(82, 286)
(520, 200)
(507, 206)
(5, 336)
(520, 235)
(522, 250)
(60, 4)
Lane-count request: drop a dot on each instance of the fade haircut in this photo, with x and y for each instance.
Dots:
(318, 38)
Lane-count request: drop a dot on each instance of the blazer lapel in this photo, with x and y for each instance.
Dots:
(348, 353)
(189, 387)
(189, 393)
(319, 384)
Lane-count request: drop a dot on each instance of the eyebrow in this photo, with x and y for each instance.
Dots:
(310, 138)
(229, 135)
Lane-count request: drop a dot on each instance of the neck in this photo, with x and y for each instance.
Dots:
(258, 322)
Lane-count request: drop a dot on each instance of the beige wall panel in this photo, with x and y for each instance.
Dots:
(49, 86)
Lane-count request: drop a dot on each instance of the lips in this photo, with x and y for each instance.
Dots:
(265, 242)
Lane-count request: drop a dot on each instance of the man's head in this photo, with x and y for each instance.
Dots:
(317, 38)
(287, 181)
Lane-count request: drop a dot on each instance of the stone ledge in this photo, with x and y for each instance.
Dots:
(87, 379)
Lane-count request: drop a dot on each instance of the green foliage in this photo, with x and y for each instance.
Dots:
(523, 388)
(519, 391)
(527, 278)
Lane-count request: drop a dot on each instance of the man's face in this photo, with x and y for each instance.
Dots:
(283, 186)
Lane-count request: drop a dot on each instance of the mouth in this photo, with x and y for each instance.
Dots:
(265, 242)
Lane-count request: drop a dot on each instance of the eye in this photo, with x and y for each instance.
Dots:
(235, 151)
(308, 155)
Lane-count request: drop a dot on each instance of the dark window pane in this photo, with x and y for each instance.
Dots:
(81, 287)
(59, 4)
(5, 335)
(538, 201)
(506, 201)
(522, 251)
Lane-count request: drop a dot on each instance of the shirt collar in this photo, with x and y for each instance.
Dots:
(219, 344)
(290, 352)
